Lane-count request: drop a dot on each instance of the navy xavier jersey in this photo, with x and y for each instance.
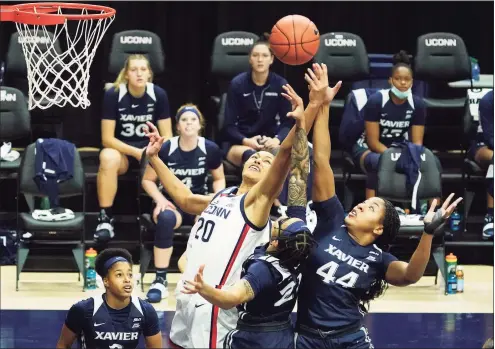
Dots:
(99, 326)
(337, 272)
(394, 119)
(275, 289)
(131, 113)
(192, 167)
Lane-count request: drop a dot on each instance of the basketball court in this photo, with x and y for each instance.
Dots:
(417, 316)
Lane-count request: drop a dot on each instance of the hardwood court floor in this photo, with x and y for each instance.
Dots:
(58, 291)
(418, 316)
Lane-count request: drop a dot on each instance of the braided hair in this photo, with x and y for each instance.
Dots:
(391, 226)
(294, 249)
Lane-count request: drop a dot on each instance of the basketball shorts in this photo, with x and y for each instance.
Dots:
(198, 324)
(282, 338)
(354, 338)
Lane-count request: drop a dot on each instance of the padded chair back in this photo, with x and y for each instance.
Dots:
(130, 42)
(15, 119)
(230, 55)
(345, 56)
(392, 185)
(441, 56)
(27, 186)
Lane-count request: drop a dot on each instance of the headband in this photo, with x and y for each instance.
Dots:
(112, 261)
(293, 229)
(186, 109)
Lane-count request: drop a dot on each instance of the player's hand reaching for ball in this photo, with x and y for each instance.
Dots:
(156, 140)
(434, 221)
(192, 287)
(317, 80)
(297, 104)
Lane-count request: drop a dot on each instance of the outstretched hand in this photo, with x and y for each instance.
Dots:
(297, 104)
(156, 140)
(317, 80)
(434, 221)
(192, 287)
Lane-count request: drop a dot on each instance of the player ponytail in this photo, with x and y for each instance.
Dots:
(377, 288)
(401, 59)
(108, 257)
(121, 79)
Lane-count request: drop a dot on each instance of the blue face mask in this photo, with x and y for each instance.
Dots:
(399, 94)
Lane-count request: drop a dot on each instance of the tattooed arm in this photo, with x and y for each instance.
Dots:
(299, 168)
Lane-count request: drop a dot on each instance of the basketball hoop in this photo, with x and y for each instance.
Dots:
(58, 75)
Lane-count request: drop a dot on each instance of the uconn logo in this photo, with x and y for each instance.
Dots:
(136, 40)
(396, 156)
(237, 42)
(340, 41)
(441, 42)
(33, 40)
(7, 97)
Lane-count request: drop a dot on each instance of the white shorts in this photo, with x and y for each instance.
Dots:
(198, 324)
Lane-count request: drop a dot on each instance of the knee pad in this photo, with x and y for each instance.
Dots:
(372, 180)
(371, 162)
(164, 234)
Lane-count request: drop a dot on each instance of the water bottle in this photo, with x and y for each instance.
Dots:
(90, 269)
(455, 221)
(475, 69)
(45, 203)
(451, 286)
(460, 279)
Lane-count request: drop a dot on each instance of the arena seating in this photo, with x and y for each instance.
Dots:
(447, 115)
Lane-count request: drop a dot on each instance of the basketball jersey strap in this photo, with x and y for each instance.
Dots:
(225, 192)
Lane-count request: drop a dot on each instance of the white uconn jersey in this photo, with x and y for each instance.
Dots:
(222, 239)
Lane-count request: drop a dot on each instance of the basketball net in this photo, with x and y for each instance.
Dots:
(56, 75)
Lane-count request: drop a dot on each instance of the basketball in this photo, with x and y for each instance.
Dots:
(294, 39)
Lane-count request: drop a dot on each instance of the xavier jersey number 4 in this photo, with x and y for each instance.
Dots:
(273, 303)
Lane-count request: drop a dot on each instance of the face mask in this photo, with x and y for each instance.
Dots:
(399, 94)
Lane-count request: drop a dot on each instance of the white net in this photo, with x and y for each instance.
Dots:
(58, 59)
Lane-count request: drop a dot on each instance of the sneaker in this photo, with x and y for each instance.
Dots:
(157, 291)
(488, 227)
(104, 230)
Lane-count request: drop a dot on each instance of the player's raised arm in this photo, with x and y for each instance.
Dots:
(403, 274)
(323, 178)
(178, 191)
(260, 198)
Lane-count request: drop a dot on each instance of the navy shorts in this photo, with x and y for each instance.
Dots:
(353, 340)
(240, 339)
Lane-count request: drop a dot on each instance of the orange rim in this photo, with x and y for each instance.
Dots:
(41, 13)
